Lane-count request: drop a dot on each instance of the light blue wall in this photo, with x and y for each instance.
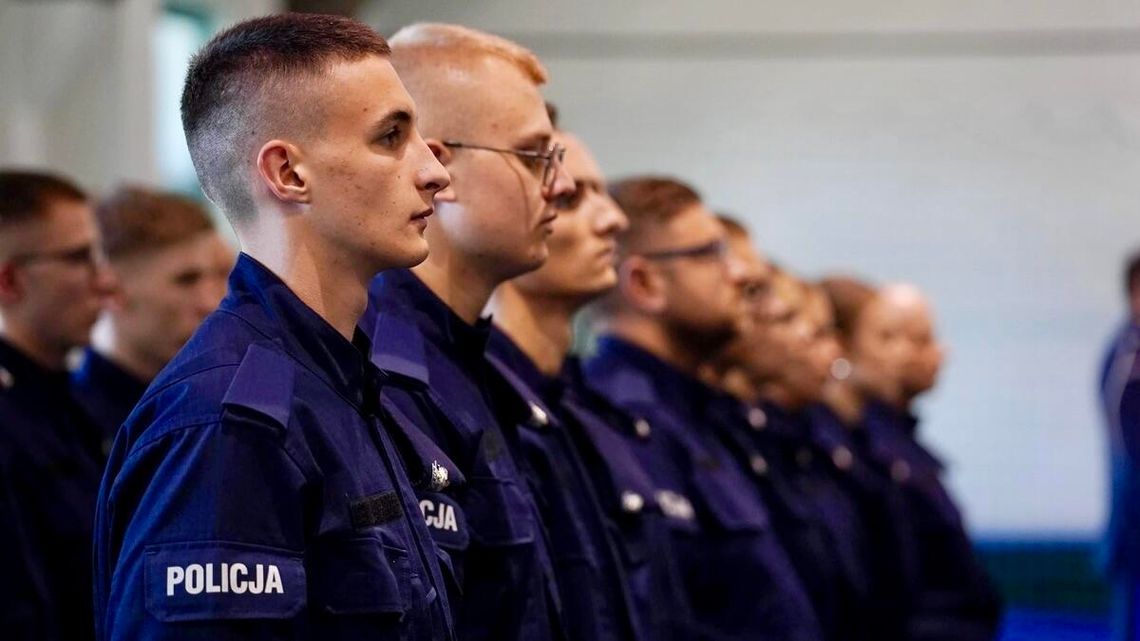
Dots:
(989, 152)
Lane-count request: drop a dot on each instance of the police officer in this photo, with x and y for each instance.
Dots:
(1120, 397)
(894, 358)
(53, 283)
(677, 302)
(613, 563)
(256, 491)
(483, 116)
(784, 361)
(163, 250)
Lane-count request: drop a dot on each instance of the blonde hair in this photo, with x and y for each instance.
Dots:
(432, 39)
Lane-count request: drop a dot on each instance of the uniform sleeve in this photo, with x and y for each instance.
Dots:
(204, 529)
(1130, 420)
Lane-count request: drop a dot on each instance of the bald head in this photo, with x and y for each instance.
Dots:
(446, 68)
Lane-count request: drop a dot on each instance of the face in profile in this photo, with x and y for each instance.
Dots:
(59, 285)
(498, 213)
(916, 324)
(164, 294)
(702, 278)
(371, 175)
(880, 351)
(582, 243)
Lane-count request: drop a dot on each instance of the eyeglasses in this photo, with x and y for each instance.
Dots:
(549, 161)
(86, 255)
(715, 249)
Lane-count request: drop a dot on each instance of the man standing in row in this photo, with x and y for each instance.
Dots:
(482, 114)
(53, 284)
(256, 491)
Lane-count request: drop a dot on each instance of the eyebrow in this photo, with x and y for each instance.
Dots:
(397, 117)
(538, 140)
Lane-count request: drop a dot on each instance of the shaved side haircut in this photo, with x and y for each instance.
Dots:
(849, 297)
(248, 85)
(650, 203)
(133, 220)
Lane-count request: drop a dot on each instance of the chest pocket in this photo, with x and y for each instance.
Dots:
(363, 588)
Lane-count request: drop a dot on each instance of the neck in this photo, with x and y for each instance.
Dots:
(331, 282)
(115, 348)
(44, 353)
(541, 327)
(736, 382)
(463, 289)
(656, 339)
(781, 396)
(847, 404)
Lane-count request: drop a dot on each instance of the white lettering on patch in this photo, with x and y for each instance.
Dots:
(224, 578)
(440, 517)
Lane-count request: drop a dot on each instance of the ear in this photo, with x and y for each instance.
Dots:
(280, 167)
(642, 285)
(11, 289)
(445, 156)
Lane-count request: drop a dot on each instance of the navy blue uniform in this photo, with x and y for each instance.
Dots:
(890, 560)
(816, 521)
(1120, 396)
(608, 440)
(491, 528)
(954, 599)
(739, 580)
(257, 493)
(107, 392)
(49, 477)
(597, 600)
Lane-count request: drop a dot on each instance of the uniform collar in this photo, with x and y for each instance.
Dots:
(19, 371)
(262, 299)
(96, 370)
(501, 348)
(404, 315)
(636, 375)
(881, 416)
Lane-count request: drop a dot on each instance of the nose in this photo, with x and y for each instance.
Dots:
(736, 270)
(563, 185)
(432, 177)
(104, 282)
(610, 218)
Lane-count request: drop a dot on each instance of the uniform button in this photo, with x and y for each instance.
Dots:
(439, 476)
(538, 417)
(757, 418)
(6, 379)
(842, 458)
(641, 426)
(900, 471)
(758, 464)
(632, 502)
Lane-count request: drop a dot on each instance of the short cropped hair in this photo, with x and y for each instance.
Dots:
(234, 79)
(649, 202)
(133, 219)
(425, 41)
(25, 195)
(849, 297)
(1132, 273)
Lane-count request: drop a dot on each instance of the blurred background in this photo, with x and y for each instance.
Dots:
(986, 151)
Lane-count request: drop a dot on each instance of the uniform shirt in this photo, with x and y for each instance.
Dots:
(107, 392)
(596, 602)
(1120, 396)
(49, 477)
(954, 599)
(608, 440)
(890, 558)
(256, 492)
(491, 528)
(738, 578)
(818, 524)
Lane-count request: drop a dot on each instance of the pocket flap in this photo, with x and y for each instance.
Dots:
(358, 576)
